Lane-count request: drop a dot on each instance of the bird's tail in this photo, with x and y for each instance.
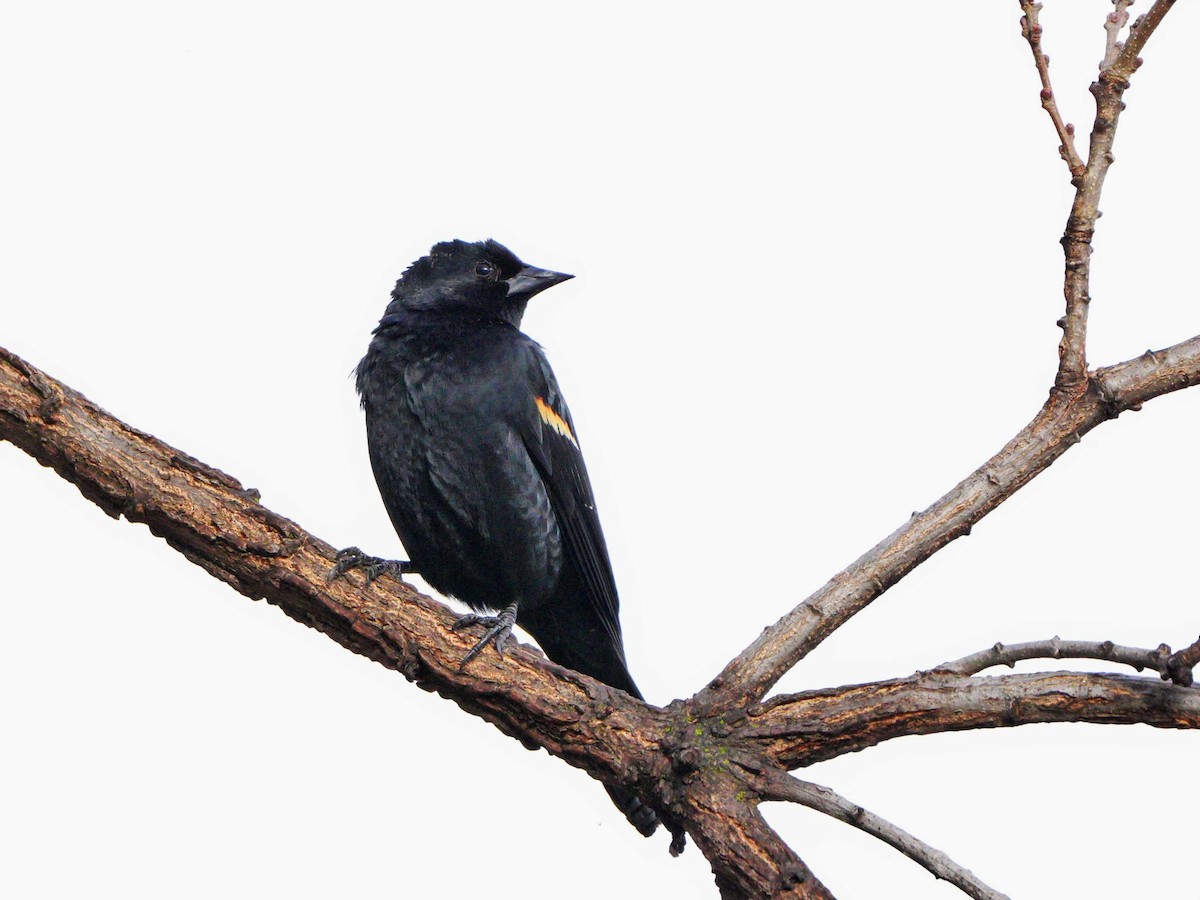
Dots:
(592, 652)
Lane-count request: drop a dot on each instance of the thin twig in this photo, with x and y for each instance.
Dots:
(1032, 31)
(781, 786)
(1008, 655)
(1112, 26)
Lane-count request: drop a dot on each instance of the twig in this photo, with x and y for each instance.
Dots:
(1056, 648)
(814, 796)
(1032, 32)
(1112, 26)
(1127, 60)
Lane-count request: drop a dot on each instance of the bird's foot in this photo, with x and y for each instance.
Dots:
(373, 566)
(499, 631)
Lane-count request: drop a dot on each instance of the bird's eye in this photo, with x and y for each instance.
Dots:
(485, 269)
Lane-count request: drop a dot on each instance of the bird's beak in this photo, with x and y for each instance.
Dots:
(532, 280)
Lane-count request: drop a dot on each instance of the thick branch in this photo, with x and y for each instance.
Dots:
(724, 805)
(208, 517)
(801, 729)
(831, 803)
(217, 524)
(1058, 426)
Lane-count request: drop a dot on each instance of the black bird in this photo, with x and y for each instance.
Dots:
(479, 465)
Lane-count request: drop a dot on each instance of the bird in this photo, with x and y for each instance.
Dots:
(479, 466)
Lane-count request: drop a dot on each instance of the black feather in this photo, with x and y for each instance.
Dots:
(477, 461)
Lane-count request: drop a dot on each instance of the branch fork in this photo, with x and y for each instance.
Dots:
(708, 762)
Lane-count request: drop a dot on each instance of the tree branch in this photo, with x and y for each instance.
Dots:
(1108, 90)
(831, 803)
(1127, 61)
(678, 757)
(1056, 648)
(212, 520)
(1113, 24)
(1180, 664)
(1031, 30)
(801, 729)
(706, 763)
(1060, 424)
(725, 799)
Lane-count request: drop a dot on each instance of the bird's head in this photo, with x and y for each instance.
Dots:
(484, 276)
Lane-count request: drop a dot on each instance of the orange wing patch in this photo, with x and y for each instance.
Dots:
(555, 421)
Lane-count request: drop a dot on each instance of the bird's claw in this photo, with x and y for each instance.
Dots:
(498, 634)
(372, 566)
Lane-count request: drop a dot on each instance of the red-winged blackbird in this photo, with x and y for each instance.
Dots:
(479, 466)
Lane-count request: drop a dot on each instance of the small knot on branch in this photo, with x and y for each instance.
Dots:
(687, 760)
(1108, 401)
(1179, 665)
(793, 874)
(52, 398)
(1158, 659)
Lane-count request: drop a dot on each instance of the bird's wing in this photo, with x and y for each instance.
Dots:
(549, 436)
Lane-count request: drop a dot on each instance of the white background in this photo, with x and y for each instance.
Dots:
(817, 279)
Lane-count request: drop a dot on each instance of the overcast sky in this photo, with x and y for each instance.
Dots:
(818, 272)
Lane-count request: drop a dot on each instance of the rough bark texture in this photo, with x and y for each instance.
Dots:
(208, 517)
(1066, 417)
(705, 763)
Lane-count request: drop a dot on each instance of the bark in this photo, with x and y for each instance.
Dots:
(1067, 416)
(801, 729)
(668, 755)
(705, 763)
